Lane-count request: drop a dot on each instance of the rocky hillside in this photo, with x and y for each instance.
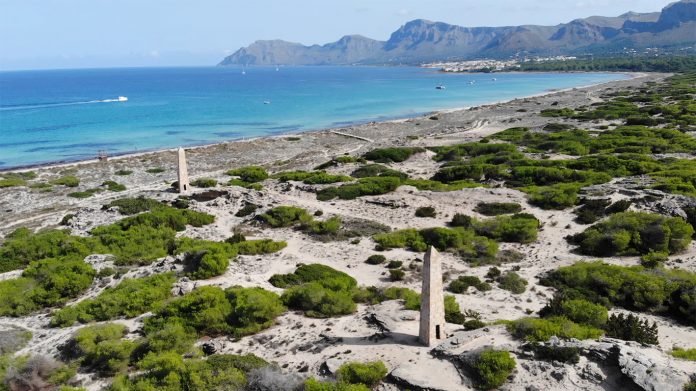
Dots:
(423, 40)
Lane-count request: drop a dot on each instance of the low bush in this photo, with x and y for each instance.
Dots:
(311, 178)
(540, 330)
(491, 368)
(394, 154)
(68, 181)
(101, 348)
(285, 216)
(249, 174)
(312, 384)
(45, 283)
(21, 247)
(654, 259)
(462, 284)
(130, 298)
(155, 170)
(212, 311)
(512, 282)
(204, 182)
(559, 196)
(363, 187)
(519, 228)
(325, 275)
(114, 186)
(662, 291)
(330, 226)
(394, 264)
(578, 310)
(375, 259)
(261, 246)
(369, 374)
(463, 242)
(131, 206)
(685, 354)
(396, 274)
(123, 172)
(564, 354)
(633, 233)
(205, 259)
(346, 159)
(497, 208)
(631, 328)
(426, 211)
(246, 210)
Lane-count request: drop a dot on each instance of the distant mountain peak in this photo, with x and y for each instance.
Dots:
(422, 40)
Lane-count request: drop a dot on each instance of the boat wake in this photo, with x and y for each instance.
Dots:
(59, 104)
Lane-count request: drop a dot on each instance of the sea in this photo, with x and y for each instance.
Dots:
(69, 115)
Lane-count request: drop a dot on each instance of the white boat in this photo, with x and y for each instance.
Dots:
(440, 87)
(267, 102)
(494, 79)
(472, 82)
(122, 98)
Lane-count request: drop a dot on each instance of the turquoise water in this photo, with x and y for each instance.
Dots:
(67, 115)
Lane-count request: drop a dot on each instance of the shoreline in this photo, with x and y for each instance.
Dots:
(193, 147)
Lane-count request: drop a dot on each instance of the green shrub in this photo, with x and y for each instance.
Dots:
(12, 182)
(318, 290)
(155, 170)
(685, 354)
(204, 182)
(462, 283)
(311, 178)
(426, 211)
(131, 206)
(578, 310)
(631, 233)
(540, 330)
(364, 187)
(461, 220)
(45, 283)
(130, 298)
(654, 259)
(631, 328)
(376, 170)
(322, 274)
(375, 259)
(520, 228)
(22, 246)
(329, 226)
(395, 154)
(123, 172)
(564, 354)
(285, 216)
(68, 181)
(346, 159)
(84, 194)
(396, 274)
(394, 264)
(250, 174)
(100, 348)
(312, 384)
(114, 186)
(491, 368)
(246, 210)
(212, 311)
(369, 374)
(463, 242)
(497, 208)
(670, 292)
(512, 282)
(205, 259)
(558, 196)
(257, 247)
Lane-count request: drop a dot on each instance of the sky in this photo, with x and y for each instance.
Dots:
(45, 34)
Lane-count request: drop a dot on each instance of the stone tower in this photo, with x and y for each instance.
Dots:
(432, 312)
(184, 185)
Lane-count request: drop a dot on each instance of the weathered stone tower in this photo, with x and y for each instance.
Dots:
(432, 312)
(184, 185)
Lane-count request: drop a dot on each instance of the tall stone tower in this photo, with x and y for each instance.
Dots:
(184, 185)
(432, 312)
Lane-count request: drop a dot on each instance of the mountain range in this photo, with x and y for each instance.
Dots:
(421, 40)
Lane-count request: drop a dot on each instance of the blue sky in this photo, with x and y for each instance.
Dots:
(96, 33)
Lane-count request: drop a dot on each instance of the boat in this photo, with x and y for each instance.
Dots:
(472, 82)
(122, 98)
(267, 102)
(440, 87)
(494, 79)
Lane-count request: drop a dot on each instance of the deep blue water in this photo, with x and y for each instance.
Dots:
(63, 115)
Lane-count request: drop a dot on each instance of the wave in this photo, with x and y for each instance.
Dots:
(27, 106)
